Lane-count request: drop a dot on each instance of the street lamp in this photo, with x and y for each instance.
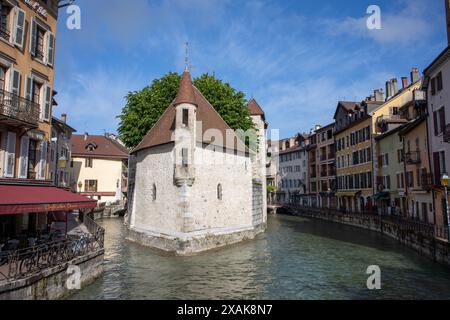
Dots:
(445, 181)
(62, 162)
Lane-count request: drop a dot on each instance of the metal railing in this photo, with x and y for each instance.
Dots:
(23, 263)
(413, 157)
(447, 133)
(4, 33)
(13, 106)
(403, 223)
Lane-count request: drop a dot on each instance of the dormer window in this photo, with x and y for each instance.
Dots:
(185, 117)
(91, 147)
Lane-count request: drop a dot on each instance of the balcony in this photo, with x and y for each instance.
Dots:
(413, 157)
(17, 111)
(447, 133)
(426, 181)
(4, 34)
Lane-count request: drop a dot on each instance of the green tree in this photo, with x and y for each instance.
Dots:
(145, 107)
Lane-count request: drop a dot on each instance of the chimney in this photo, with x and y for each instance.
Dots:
(388, 90)
(64, 118)
(379, 95)
(447, 11)
(404, 82)
(394, 86)
(415, 74)
(86, 135)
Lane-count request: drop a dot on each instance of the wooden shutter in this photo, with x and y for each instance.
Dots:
(33, 37)
(439, 81)
(441, 119)
(435, 123)
(47, 103)
(23, 161)
(433, 86)
(50, 48)
(19, 27)
(437, 168)
(43, 160)
(14, 82)
(10, 155)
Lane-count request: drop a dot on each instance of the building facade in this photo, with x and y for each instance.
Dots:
(61, 153)
(326, 159)
(98, 166)
(354, 154)
(437, 87)
(293, 169)
(29, 202)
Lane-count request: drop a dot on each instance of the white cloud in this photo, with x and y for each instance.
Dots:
(406, 27)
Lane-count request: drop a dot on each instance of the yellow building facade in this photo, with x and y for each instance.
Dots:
(27, 58)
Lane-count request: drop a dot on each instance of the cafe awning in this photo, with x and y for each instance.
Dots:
(21, 199)
(347, 193)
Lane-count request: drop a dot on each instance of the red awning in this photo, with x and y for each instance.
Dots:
(26, 199)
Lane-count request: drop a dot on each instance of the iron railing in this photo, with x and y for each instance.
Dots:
(4, 33)
(27, 262)
(13, 106)
(403, 223)
(413, 157)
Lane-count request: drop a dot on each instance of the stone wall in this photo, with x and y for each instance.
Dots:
(257, 204)
(50, 284)
(421, 241)
(195, 243)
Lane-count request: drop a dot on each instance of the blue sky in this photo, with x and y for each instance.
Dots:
(297, 58)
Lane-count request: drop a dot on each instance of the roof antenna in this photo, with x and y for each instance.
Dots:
(186, 59)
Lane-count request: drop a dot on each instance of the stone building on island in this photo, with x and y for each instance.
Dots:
(194, 185)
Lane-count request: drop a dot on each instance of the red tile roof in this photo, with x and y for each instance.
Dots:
(162, 132)
(104, 147)
(255, 109)
(186, 91)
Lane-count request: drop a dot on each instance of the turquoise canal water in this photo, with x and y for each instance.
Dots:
(295, 259)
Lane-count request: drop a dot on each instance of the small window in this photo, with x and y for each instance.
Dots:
(154, 192)
(90, 185)
(89, 163)
(219, 192)
(186, 117)
(184, 155)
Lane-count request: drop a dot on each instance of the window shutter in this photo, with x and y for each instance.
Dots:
(33, 37)
(23, 162)
(19, 27)
(433, 86)
(10, 155)
(435, 122)
(43, 160)
(46, 103)
(50, 48)
(28, 88)
(441, 120)
(14, 82)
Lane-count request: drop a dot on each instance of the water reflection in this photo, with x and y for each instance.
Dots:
(295, 259)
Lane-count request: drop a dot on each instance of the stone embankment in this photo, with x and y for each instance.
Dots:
(428, 240)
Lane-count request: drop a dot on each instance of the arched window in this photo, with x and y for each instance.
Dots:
(154, 192)
(219, 192)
